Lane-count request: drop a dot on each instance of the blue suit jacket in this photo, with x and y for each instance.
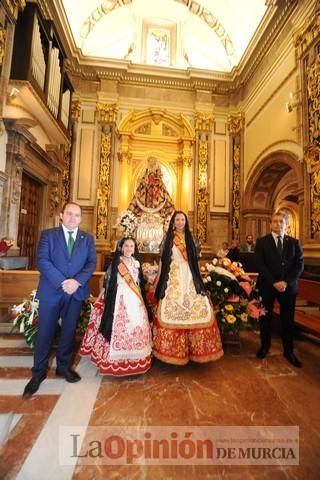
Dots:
(55, 265)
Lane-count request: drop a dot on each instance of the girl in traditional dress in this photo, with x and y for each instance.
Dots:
(118, 337)
(185, 327)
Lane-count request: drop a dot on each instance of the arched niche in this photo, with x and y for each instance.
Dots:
(158, 133)
(276, 182)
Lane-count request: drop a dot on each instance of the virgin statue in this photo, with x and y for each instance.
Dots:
(151, 195)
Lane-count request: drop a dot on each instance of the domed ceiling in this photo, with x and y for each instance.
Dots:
(204, 34)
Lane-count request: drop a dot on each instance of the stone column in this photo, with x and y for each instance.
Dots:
(186, 161)
(107, 115)
(125, 159)
(16, 148)
(9, 10)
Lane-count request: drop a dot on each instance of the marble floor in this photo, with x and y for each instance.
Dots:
(237, 390)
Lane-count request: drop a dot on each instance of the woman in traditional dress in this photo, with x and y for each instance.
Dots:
(118, 337)
(185, 327)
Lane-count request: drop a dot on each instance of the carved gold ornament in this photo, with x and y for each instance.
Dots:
(66, 173)
(202, 195)
(312, 150)
(104, 189)
(203, 121)
(107, 113)
(75, 110)
(2, 43)
(236, 123)
(236, 192)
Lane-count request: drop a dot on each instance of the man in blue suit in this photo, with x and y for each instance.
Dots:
(279, 261)
(66, 259)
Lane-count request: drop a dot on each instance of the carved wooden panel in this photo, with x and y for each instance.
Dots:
(29, 217)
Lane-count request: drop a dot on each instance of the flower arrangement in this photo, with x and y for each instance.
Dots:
(25, 317)
(234, 295)
(127, 222)
(5, 245)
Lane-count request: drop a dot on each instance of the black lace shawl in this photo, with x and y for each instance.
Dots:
(166, 260)
(111, 287)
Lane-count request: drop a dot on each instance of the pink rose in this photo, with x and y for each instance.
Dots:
(246, 287)
(253, 310)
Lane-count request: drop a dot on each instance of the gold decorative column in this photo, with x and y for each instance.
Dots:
(2, 44)
(203, 127)
(306, 42)
(65, 190)
(107, 115)
(312, 149)
(235, 127)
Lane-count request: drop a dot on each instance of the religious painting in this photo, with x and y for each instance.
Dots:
(158, 46)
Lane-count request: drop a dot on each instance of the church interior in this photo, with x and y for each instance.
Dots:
(134, 109)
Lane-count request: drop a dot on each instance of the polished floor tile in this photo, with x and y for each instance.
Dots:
(237, 390)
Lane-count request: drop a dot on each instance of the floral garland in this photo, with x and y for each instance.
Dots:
(26, 316)
(233, 293)
(127, 222)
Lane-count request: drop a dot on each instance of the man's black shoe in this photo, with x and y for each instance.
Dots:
(262, 352)
(290, 356)
(32, 386)
(69, 375)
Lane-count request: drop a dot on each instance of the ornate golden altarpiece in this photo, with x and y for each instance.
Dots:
(155, 157)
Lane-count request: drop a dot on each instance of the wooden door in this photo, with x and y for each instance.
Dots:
(29, 218)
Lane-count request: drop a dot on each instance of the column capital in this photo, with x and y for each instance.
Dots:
(203, 121)
(107, 113)
(235, 122)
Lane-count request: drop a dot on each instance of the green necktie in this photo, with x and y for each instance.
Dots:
(70, 242)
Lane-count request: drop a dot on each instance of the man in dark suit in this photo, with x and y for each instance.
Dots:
(66, 259)
(249, 246)
(279, 261)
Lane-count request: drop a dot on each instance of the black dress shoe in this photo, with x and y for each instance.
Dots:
(69, 375)
(262, 352)
(290, 356)
(32, 386)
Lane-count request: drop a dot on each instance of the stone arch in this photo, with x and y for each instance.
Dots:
(179, 123)
(276, 182)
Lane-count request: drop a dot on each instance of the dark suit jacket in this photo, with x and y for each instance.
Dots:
(272, 268)
(55, 265)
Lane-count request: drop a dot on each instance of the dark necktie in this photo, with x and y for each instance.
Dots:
(70, 242)
(279, 245)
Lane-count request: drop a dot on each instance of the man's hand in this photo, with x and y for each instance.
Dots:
(70, 286)
(280, 286)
